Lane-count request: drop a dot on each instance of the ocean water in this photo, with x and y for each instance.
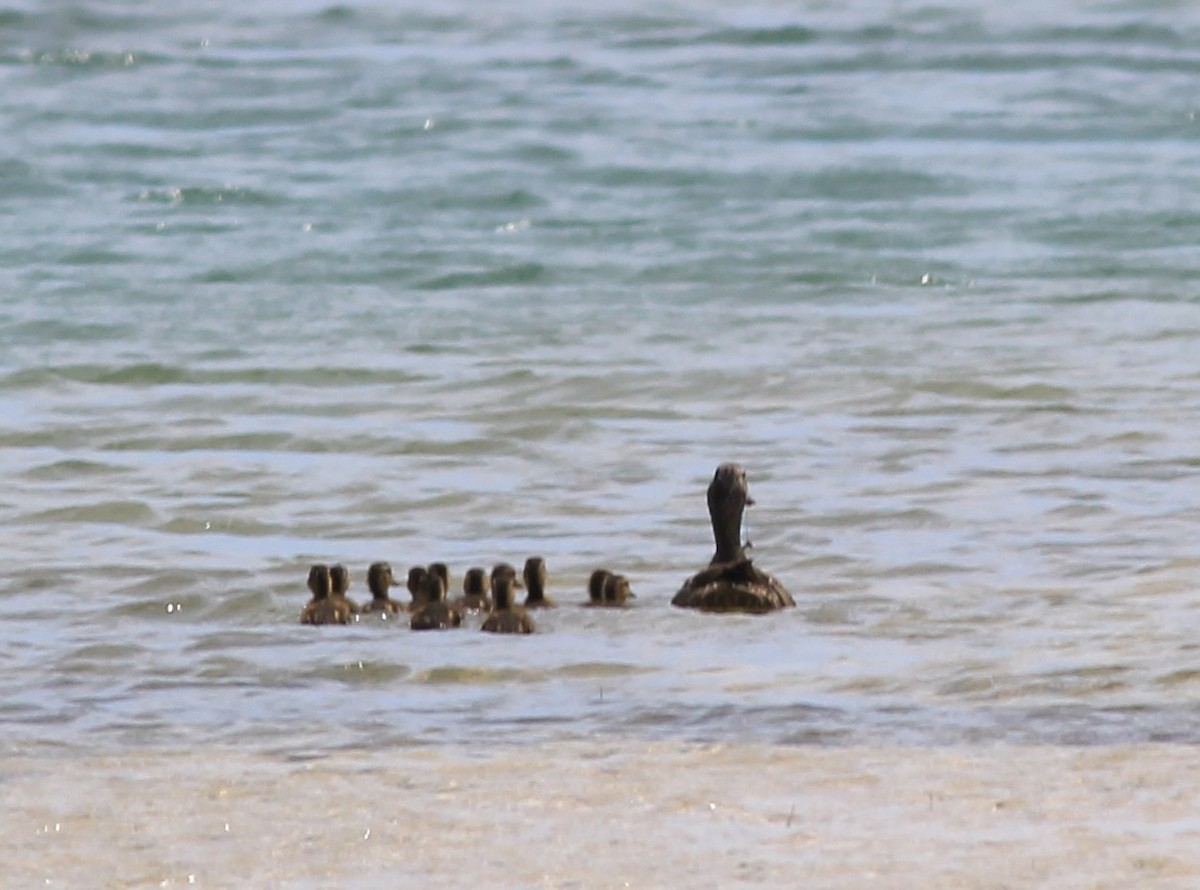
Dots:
(293, 282)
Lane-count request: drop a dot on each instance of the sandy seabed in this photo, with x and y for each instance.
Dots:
(608, 815)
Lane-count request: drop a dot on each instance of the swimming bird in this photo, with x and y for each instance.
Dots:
(442, 571)
(535, 584)
(731, 583)
(475, 591)
(323, 608)
(616, 591)
(339, 578)
(436, 614)
(417, 587)
(505, 569)
(506, 618)
(379, 581)
(596, 587)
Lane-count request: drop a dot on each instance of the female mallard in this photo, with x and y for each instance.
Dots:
(339, 578)
(475, 591)
(379, 582)
(535, 584)
(436, 614)
(731, 583)
(506, 618)
(324, 608)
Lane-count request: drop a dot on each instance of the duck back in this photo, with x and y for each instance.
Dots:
(733, 587)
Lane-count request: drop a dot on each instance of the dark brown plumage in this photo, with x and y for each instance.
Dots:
(731, 583)
(535, 584)
(596, 587)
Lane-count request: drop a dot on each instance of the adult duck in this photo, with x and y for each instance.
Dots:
(731, 583)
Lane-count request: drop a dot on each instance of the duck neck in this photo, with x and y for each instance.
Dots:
(725, 510)
(502, 597)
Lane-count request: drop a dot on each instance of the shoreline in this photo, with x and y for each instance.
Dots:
(608, 815)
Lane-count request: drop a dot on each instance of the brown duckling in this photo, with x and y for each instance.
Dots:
(596, 587)
(418, 587)
(535, 584)
(506, 570)
(442, 571)
(731, 583)
(339, 578)
(475, 591)
(323, 608)
(617, 592)
(379, 581)
(436, 614)
(505, 617)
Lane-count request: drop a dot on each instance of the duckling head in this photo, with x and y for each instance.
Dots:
(502, 591)
(596, 585)
(535, 577)
(339, 578)
(379, 579)
(319, 582)
(475, 582)
(616, 590)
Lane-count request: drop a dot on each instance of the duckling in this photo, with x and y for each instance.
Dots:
(503, 568)
(596, 587)
(506, 618)
(340, 579)
(475, 591)
(731, 583)
(417, 587)
(379, 580)
(436, 614)
(616, 591)
(535, 584)
(442, 571)
(323, 608)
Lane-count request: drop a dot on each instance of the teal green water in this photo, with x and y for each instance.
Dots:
(286, 283)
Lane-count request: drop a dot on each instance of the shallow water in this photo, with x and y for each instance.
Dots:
(312, 282)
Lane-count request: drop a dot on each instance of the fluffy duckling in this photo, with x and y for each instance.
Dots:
(339, 577)
(617, 592)
(379, 582)
(596, 587)
(418, 587)
(475, 591)
(535, 584)
(731, 583)
(436, 614)
(323, 608)
(442, 571)
(506, 570)
(506, 618)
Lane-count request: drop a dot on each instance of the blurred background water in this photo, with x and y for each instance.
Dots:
(297, 282)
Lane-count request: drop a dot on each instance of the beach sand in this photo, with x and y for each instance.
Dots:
(608, 815)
